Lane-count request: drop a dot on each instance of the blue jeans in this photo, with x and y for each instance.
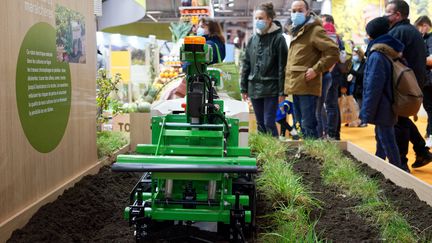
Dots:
(332, 107)
(351, 87)
(321, 113)
(304, 107)
(265, 113)
(386, 145)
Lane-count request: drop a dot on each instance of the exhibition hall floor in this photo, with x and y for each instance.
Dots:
(365, 138)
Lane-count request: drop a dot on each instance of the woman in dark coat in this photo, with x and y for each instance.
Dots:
(263, 74)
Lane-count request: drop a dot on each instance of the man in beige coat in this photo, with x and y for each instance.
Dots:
(311, 53)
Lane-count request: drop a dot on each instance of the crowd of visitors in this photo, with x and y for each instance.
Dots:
(311, 66)
(305, 69)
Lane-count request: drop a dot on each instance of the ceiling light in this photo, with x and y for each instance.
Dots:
(223, 10)
(230, 4)
(154, 12)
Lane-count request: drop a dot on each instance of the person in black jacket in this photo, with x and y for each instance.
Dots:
(397, 11)
(424, 24)
(356, 76)
(263, 74)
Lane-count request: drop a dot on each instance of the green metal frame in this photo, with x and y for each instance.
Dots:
(175, 141)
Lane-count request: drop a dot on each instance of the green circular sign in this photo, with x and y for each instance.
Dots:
(43, 89)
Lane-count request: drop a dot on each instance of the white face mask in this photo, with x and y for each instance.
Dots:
(201, 31)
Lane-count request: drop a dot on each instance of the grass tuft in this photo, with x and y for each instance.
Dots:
(279, 184)
(108, 142)
(342, 172)
(290, 200)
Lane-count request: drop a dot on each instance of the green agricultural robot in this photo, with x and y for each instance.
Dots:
(194, 170)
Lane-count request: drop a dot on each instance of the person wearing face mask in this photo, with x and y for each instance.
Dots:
(424, 24)
(328, 116)
(263, 73)
(397, 12)
(333, 80)
(356, 77)
(212, 31)
(311, 53)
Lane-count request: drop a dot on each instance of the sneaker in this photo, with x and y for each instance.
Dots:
(422, 160)
(363, 125)
(294, 134)
(282, 138)
(429, 141)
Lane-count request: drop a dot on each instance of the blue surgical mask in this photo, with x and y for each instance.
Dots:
(366, 41)
(356, 59)
(298, 18)
(200, 31)
(261, 24)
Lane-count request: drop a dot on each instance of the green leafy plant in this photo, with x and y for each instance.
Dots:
(179, 30)
(106, 85)
(108, 142)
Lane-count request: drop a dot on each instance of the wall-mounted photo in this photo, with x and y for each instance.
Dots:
(71, 35)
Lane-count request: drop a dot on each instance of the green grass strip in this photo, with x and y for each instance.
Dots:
(108, 142)
(339, 170)
(290, 200)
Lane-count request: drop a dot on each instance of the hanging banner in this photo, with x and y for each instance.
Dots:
(121, 63)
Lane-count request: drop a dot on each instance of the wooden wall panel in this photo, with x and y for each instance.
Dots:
(26, 175)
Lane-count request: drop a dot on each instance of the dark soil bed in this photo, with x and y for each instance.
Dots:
(92, 211)
(337, 220)
(417, 212)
